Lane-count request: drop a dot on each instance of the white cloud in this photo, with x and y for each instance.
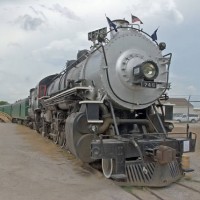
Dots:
(191, 89)
(157, 9)
(66, 12)
(55, 52)
(29, 23)
(52, 33)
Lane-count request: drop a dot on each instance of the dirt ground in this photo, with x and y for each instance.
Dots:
(32, 167)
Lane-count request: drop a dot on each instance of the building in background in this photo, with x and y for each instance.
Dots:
(179, 106)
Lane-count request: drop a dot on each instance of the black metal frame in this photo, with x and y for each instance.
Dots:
(124, 148)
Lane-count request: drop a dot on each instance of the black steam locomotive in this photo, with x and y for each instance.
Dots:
(106, 106)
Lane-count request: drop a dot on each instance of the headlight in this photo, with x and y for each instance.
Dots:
(147, 70)
(150, 70)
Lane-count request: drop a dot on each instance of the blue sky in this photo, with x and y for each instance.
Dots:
(38, 37)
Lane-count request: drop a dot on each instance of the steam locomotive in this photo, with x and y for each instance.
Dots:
(106, 106)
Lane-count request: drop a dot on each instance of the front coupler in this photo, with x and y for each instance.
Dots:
(146, 161)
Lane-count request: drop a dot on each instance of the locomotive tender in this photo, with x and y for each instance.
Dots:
(104, 106)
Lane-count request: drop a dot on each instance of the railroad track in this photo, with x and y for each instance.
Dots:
(164, 193)
(188, 187)
(147, 193)
(152, 195)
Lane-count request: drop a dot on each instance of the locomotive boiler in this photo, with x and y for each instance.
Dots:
(105, 106)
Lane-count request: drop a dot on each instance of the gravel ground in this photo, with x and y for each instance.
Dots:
(33, 168)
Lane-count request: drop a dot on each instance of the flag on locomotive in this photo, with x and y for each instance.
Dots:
(135, 19)
(154, 35)
(111, 24)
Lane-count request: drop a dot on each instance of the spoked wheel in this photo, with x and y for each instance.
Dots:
(38, 122)
(64, 144)
(107, 167)
(61, 139)
(55, 137)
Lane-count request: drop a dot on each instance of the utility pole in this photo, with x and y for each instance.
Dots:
(188, 111)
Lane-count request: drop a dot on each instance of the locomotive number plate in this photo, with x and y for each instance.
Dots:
(149, 84)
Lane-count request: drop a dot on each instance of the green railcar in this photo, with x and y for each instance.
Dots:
(1, 108)
(20, 109)
(6, 109)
